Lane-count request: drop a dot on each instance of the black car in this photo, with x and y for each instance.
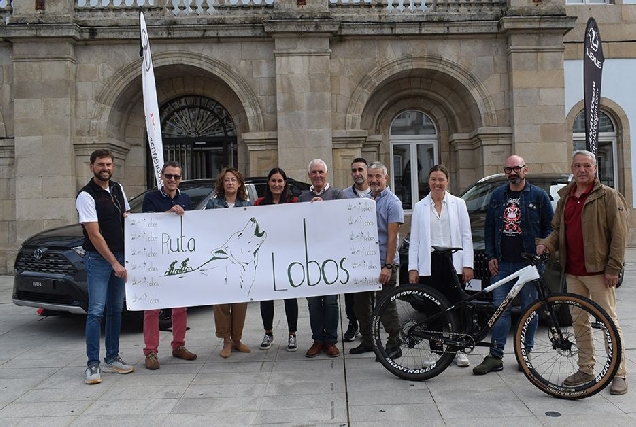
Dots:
(49, 268)
(260, 182)
(477, 197)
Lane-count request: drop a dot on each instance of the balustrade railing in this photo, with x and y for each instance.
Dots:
(423, 6)
(99, 9)
(169, 7)
(208, 7)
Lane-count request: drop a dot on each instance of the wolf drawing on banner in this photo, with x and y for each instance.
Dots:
(238, 256)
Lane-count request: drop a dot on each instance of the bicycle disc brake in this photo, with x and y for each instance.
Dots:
(562, 342)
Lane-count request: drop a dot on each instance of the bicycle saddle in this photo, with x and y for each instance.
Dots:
(444, 250)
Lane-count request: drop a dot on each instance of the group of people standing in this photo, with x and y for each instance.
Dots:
(520, 219)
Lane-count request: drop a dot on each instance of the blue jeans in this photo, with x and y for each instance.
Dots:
(105, 291)
(323, 318)
(527, 295)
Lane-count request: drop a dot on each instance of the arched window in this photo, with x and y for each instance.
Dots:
(413, 141)
(606, 150)
(199, 133)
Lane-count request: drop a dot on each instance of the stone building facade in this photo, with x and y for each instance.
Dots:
(281, 82)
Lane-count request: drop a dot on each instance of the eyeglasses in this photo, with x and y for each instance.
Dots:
(517, 169)
(172, 176)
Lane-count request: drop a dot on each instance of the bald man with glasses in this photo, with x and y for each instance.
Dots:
(518, 214)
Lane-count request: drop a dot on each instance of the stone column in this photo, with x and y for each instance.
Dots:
(346, 147)
(44, 93)
(303, 85)
(536, 80)
(262, 151)
(303, 97)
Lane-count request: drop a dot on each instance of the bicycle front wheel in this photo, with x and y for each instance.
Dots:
(589, 337)
(422, 351)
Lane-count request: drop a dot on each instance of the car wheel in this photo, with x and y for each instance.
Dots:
(165, 319)
(563, 315)
(133, 320)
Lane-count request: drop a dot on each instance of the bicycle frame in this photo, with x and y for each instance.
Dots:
(430, 334)
(524, 275)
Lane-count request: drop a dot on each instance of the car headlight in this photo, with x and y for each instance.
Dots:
(79, 251)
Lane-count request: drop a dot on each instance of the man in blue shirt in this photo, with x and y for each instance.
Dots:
(390, 216)
(518, 214)
(166, 199)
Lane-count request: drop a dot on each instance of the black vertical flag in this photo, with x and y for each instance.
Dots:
(592, 68)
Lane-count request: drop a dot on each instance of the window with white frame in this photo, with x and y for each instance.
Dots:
(606, 154)
(413, 141)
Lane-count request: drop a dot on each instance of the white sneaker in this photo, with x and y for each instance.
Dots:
(93, 375)
(267, 342)
(117, 365)
(461, 359)
(291, 344)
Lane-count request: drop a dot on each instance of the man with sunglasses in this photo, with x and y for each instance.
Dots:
(166, 199)
(102, 207)
(518, 214)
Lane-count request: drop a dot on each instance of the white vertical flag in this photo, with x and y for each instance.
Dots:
(151, 106)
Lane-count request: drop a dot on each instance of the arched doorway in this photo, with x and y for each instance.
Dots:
(414, 149)
(199, 133)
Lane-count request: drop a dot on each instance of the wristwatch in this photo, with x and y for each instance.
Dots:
(389, 266)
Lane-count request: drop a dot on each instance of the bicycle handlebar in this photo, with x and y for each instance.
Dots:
(534, 259)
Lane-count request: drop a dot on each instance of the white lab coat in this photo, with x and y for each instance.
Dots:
(420, 240)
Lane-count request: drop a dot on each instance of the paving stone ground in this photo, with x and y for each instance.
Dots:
(42, 362)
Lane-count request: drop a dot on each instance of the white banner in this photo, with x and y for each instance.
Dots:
(251, 254)
(151, 106)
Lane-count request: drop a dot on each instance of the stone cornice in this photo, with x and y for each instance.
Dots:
(301, 26)
(537, 23)
(267, 25)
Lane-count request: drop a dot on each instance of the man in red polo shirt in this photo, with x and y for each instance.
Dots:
(592, 259)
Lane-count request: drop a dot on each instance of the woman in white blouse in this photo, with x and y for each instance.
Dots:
(441, 219)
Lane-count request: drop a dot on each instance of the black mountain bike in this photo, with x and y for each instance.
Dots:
(432, 331)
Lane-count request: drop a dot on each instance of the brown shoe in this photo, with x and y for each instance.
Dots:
(578, 378)
(239, 346)
(152, 362)
(315, 349)
(227, 348)
(183, 353)
(619, 386)
(332, 350)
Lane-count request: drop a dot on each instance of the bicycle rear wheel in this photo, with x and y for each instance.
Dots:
(422, 352)
(554, 356)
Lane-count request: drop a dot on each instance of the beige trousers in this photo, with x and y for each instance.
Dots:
(593, 287)
(229, 320)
